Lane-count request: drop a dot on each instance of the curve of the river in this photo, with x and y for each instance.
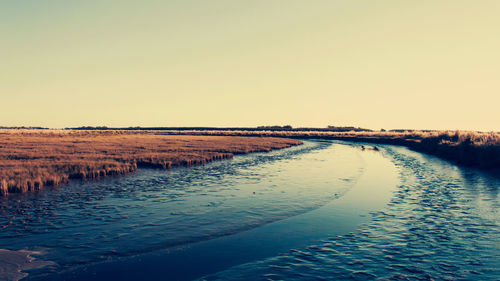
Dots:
(443, 223)
(321, 210)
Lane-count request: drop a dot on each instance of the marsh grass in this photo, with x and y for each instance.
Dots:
(475, 149)
(33, 159)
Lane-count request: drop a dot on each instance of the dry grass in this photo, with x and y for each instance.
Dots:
(475, 149)
(31, 159)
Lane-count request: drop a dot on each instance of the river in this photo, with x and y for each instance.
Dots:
(323, 210)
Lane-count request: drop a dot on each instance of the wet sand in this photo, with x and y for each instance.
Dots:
(13, 263)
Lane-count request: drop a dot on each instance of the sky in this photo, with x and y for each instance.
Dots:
(427, 64)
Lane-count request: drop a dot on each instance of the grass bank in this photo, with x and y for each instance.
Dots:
(474, 149)
(33, 159)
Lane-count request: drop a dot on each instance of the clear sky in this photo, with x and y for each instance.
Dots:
(377, 64)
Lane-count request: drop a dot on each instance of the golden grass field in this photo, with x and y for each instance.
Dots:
(474, 149)
(32, 159)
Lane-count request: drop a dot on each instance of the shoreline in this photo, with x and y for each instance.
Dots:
(94, 154)
(471, 149)
(31, 160)
(296, 231)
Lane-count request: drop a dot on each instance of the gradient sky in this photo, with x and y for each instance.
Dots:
(377, 64)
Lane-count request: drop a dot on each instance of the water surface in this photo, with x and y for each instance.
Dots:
(321, 210)
(98, 220)
(443, 223)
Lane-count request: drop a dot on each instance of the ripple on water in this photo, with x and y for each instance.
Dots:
(441, 224)
(90, 221)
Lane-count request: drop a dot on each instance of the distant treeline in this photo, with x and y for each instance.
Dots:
(23, 128)
(286, 128)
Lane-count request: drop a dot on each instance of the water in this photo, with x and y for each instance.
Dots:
(318, 210)
(442, 223)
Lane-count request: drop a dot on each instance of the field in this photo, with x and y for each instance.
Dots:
(33, 159)
(473, 149)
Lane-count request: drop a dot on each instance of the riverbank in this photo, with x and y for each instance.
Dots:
(33, 159)
(473, 149)
(94, 221)
(351, 203)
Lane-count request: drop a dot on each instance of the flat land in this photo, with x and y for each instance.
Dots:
(474, 149)
(33, 159)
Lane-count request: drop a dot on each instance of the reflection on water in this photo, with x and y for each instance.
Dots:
(443, 223)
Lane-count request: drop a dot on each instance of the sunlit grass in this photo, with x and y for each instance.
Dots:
(476, 149)
(32, 159)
